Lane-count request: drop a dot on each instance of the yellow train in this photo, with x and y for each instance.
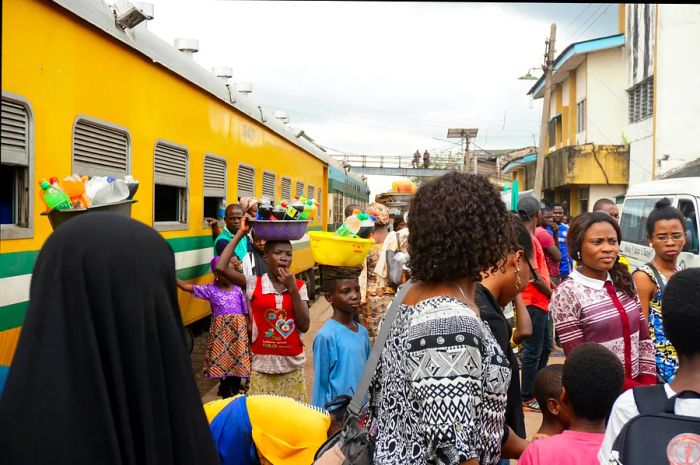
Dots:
(82, 94)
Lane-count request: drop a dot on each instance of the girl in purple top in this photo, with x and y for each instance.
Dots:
(228, 350)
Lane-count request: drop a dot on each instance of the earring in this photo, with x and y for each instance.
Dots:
(518, 280)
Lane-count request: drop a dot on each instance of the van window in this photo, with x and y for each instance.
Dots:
(634, 220)
(687, 209)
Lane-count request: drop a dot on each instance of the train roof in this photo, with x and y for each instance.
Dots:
(100, 15)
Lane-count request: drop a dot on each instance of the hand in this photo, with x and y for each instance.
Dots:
(245, 227)
(211, 221)
(286, 278)
(555, 227)
(237, 264)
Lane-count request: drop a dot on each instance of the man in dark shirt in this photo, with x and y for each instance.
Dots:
(232, 218)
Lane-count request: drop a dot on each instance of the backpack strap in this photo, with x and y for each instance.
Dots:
(671, 403)
(650, 399)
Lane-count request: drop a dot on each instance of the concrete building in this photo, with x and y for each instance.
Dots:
(585, 156)
(662, 51)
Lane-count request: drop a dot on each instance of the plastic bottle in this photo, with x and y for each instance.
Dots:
(308, 209)
(279, 212)
(54, 198)
(264, 209)
(352, 224)
(292, 213)
(367, 227)
(298, 204)
(74, 187)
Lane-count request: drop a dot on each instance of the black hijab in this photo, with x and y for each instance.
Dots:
(101, 374)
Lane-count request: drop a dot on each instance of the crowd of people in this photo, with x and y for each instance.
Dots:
(102, 375)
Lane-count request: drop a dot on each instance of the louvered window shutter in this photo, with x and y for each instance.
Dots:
(15, 134)
(286, 189)
(269, 185)
(246, 181)
(214, 177)
(300, 189)
(99, 150)
(170, 167)
(311, 192)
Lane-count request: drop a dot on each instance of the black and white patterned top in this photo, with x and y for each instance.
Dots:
(439, 393)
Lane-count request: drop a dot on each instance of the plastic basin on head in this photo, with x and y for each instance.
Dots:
(329, 249)
(279, 230)
(58, 217)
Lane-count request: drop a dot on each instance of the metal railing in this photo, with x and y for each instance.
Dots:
(402, 161)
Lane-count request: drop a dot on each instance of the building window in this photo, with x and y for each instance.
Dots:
(583, 199)
(300, 189)
(100, 148)
(16, 169)
(214, 185)
(269, 185)
(641, 100)
(246, 181)
(286, 189)
(581, 116)
(554, 130)
(170, 192)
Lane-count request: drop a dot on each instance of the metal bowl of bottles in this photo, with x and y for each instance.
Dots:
(330, 249)
(285, 230)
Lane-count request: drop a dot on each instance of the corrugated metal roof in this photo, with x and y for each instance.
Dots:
(100, 15)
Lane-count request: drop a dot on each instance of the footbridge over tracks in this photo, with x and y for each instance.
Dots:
(407, 165)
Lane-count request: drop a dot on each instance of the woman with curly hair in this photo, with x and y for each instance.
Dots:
(599, 302)
(438, 395)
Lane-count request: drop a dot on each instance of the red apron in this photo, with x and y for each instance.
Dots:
(276, 327)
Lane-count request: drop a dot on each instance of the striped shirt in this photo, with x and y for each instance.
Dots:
(584, 312)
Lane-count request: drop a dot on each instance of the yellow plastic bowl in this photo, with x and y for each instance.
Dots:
(329, 249)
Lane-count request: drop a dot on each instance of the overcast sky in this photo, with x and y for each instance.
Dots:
(387, 78)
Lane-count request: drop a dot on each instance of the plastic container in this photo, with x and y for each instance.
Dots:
(404, 187)
(264, 209)
(94, 184)
(75, 188)
(367, 227)
(133, 185)
(279, 230)
(55, 198)
(58, 217)
(352, 224)
(329, 249)
(111, 193)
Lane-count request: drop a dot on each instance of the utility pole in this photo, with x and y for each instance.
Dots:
(465, 134)
(547, 68)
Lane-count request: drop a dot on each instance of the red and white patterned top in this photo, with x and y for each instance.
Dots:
(583, 311)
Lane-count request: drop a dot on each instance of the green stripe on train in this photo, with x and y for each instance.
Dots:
(17, 263)
(12, 316)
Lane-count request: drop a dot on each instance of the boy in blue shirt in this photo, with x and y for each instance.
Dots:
(341, 348)
(560, 231)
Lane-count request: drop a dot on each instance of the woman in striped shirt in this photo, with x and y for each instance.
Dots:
(599, 302)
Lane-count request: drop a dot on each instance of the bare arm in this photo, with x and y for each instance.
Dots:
(514, 446)
(646, 290)
(301, 309)
(215, 230)
(553, 252)
(222, 266)
(187, 287)
(523, 323)
(542, 286)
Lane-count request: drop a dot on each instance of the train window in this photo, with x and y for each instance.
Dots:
(269, 185)
(170, 193)
(100, 148)
(246, 181)
(300, 189)
(311, 192)
(214, 185)
(286, 188)
(16, 169)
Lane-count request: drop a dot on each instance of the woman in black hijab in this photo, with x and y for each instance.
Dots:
(101, 374)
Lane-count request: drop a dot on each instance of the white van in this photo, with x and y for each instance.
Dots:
(684, 194)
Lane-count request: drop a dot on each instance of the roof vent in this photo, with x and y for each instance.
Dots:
(223, 72)
(282, 116)
(129, 16)
(245, 88)
(147, 10)
(187, 46)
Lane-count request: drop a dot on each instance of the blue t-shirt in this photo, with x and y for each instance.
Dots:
(565, 265)
(340, 355)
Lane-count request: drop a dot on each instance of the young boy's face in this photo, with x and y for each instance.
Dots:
(346, 295)
(259, 244)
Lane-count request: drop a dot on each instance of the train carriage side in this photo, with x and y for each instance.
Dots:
(343, 189)
(80, 95)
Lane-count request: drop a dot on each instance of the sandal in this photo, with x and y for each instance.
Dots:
(531, 405)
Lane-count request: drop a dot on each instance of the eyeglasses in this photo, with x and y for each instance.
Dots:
(677, 236)
(533, 274)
